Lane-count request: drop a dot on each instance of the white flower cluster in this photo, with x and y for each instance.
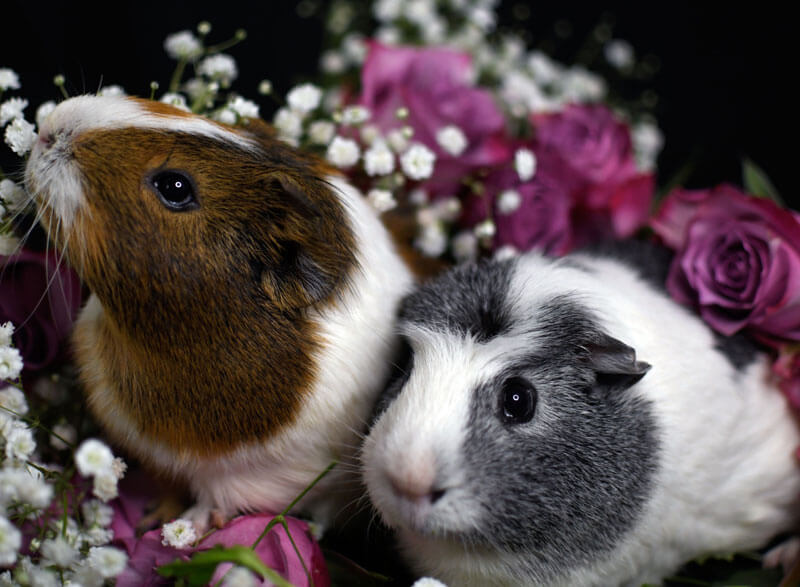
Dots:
(64, 549)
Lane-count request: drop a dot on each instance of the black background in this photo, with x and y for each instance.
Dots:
(724, 84)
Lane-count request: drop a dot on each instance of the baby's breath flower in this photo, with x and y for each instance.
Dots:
(204, 27)
(387, 10)
(10, 363)
(381, 200)
(243, 108)
(332, 62)
(465, 246)
(321, 132)
(175, 99)
(178, 534)
(12, 109)
(20, 136)
(7, 328)
(619, 53)
(432, 240)
(288, 123)
(397, 140)
(13, 195)
(485, 230)
(19, 442)
(96, 536)
(525, 164)
(58, 552)
(96, 513)
(10, 541)
(388, 35)
(219, 67)
(26, 485)
(353, 115)
(428, 582)
(418, 161)
(379, 159)
(183, 45)
(452, 139)
(505, 252)
(105, 486)
(93, 457)
(9, 80)
(107, 561)
(647, 144)
(304, 98)
(369, 134)
(225, 116)
(509, 201)
(111, 91)
(447, 209)
(239, 577)
(545, 71)
(43, 111)
(580, 85)
(343, 152)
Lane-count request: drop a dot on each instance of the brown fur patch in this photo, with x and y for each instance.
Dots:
(205, 339)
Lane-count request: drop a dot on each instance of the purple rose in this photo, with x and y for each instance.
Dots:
(435, 85)
(41, 296)
(528, 215)
(612, 199)
(738, 260)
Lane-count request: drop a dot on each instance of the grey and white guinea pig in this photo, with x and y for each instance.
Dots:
(243, 295)
(564, 422)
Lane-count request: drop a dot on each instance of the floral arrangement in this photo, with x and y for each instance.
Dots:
(489, 148)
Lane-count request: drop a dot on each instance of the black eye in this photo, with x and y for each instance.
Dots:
(518, 400)
(175, 190)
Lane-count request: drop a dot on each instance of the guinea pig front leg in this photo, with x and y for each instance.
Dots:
(205, 516)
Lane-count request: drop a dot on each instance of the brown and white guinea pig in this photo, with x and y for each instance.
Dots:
(243, 295)
(565, 422)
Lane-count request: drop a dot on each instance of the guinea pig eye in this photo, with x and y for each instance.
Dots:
(517, 400)
(175, 190)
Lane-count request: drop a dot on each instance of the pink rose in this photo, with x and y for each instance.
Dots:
(542, 219)
(435, 85)
(787, 370)
(738, 260)
(147, 552)
(41, 296)
(612, 199)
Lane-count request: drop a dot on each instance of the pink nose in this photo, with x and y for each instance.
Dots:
(416, 485)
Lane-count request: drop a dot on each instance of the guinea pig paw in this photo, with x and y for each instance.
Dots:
(204, 517)
(787, 556)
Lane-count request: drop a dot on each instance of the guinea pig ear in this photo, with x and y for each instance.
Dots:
(306, 263)
(615, 364)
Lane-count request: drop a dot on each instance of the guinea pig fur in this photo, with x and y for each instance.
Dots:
(243, 296)
(564, 422)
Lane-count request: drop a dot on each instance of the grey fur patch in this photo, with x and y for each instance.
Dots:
(468, 300)
(565, 487)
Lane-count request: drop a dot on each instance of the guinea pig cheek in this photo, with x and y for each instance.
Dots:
(412, 457)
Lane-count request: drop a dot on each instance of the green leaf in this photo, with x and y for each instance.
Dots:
(757, 182)
(199, 569)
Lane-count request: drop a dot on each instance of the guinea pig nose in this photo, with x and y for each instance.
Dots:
(416, 486)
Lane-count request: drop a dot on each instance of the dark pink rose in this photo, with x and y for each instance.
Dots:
(435, 85)
(41, 296)
(612, 198)
(542, 221)
(738, 260)
(147, 552)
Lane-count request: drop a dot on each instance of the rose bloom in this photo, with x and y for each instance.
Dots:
(612, 198)
(738, 260)
(541, 221)
(41, 296)
(435, 86)
(147, 552)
